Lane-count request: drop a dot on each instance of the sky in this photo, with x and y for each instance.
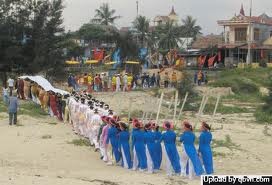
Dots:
(207, 12)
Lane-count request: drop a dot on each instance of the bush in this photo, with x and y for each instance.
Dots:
(239, 86)
(262, 116)
(263, 63)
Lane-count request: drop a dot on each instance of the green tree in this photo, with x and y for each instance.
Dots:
(31, 34)
(168, 36)
(189, 27)
(141, 24)
(104, 15)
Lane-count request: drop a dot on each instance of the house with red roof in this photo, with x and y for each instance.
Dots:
(241, 31)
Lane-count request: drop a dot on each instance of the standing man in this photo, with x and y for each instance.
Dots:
(11, 85)
(166, 80)
(118, 83)
(12, 109)
(174, 80)
(105, 81)
(158, 79)
(125, 81)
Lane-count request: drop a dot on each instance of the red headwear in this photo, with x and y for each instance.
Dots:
(167, 125)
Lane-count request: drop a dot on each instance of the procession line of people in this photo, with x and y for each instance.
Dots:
(145, 148)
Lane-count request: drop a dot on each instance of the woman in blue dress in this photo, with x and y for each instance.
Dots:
(205, 150)
(170, 150)
(190, 160)
(139, 156)
(113, 140)
(158, 148)
(124, 146)
(149, 138)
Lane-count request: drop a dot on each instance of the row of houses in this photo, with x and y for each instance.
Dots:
(241, 32)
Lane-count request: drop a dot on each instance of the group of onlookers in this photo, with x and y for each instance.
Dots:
(200, 77)
(121, 82)
(51, 102)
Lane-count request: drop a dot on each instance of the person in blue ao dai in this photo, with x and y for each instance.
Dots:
(139, 155)
(189, 158)
(169, 150)
(205, 150)
(124, 146)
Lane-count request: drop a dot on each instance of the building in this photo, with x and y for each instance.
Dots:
(163, 19)
(241, 31)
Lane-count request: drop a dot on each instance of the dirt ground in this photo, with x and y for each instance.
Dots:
(38, 152)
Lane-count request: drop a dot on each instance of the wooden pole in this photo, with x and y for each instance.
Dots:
(159, 108)
(183, 104)
(204, 105)
(175, 108)
(169, 109)
(215, 109)
(216, 105)
(200, 107)
(129, 109)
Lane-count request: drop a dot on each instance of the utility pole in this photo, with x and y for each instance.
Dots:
(137, 4)
(249, 36)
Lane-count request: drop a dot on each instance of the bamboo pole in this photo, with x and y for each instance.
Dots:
(129, 109)
(216, 105)
(183, 104)
(200, 107)
(175, 108)
(159, 108)
(215, 109)
(204, 105)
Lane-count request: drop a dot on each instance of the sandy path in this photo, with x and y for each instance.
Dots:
(26, 159)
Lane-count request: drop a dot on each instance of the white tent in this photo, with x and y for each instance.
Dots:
(45, 84)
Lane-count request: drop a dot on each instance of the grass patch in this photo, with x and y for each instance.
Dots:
(263, 117)
(3, 107)
(225, 109)
(219, 154)
(80, 142)
(227, 142)
(19, 125)
(46, 137)
(244, 76)
(52, 123)
(31, 109)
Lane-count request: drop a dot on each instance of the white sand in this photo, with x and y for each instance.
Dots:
(26, 158)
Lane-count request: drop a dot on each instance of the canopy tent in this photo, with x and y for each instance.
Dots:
(91, 62)
(41, 81)
(132, 62)
(110, 63)
(70, 62)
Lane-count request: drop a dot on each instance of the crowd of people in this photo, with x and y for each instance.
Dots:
(200, 77)
(118, 82)
(128, 143)
(51, 102)
(149, 146)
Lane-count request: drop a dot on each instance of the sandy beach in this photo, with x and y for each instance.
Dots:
(39, 152)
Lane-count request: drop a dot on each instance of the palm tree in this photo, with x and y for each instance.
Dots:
(141, 24)
(168, 35)
(189, 27)
(104, 15)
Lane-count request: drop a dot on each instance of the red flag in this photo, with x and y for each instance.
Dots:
(211, 61)
(262, 54)
(219, 56)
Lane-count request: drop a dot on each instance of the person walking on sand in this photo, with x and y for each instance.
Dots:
(5, 94)
(10, 85)
(12, 109)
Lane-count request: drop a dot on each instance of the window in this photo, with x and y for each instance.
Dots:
(256, 34)
(240, 34)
